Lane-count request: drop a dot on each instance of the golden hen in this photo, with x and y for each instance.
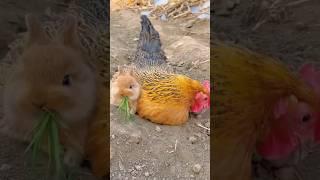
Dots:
(259, 106)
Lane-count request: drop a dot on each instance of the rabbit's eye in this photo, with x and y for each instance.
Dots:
(66, 80)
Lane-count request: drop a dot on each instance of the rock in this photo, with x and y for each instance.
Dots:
(121, 167)
(147, 174)
(192, 139)
(189, 24)
(113, 136)
(180, 64)
(135, 138)
(196, 168)
(134, 173)
(138, 167)
(158, 129)
(207, 124)
(198, 134)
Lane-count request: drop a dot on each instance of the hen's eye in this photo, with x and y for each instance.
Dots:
(66, 80)
(205, 98)
(306, 118)
(131, 86)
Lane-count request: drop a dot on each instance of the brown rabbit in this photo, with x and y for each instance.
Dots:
(123, 84)
(56, 75)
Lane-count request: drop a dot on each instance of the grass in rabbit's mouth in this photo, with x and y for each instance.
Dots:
(124, 108)
(47, 131)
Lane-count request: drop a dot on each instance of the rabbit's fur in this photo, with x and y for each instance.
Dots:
(52, 74)
(124, 84)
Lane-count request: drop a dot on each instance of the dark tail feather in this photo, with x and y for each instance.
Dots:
(149, 50)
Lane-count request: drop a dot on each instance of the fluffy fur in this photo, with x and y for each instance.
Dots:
(52, 74)
(125, 84)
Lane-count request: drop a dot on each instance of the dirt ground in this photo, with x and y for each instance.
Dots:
(288, 30)
(144, 150)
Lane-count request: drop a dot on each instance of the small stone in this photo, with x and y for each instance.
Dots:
(135, 39)
(189, 24)
(121, 167)
(5, 167)
(135, 138)
(192, 139)
(146, 174)
(207, 124)
(196, 168)
(134, 173)
(180, 64)
(138, 167)
(158, 129)
(113, 136)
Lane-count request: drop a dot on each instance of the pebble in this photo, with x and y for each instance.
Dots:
(134, 173)
(135, 139)
(113, 136)
(5, 167)
(207, 124)
(158, 129)
(180, 64)
(192, 139)
(121, 167)
(147, 174)
(138, 167)
(196, 168)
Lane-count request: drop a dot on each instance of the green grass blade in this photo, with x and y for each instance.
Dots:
(38, 131)
(124, 108)
(56, 145)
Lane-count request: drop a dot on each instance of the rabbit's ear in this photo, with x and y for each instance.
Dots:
(35, 32)
(70, 34)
